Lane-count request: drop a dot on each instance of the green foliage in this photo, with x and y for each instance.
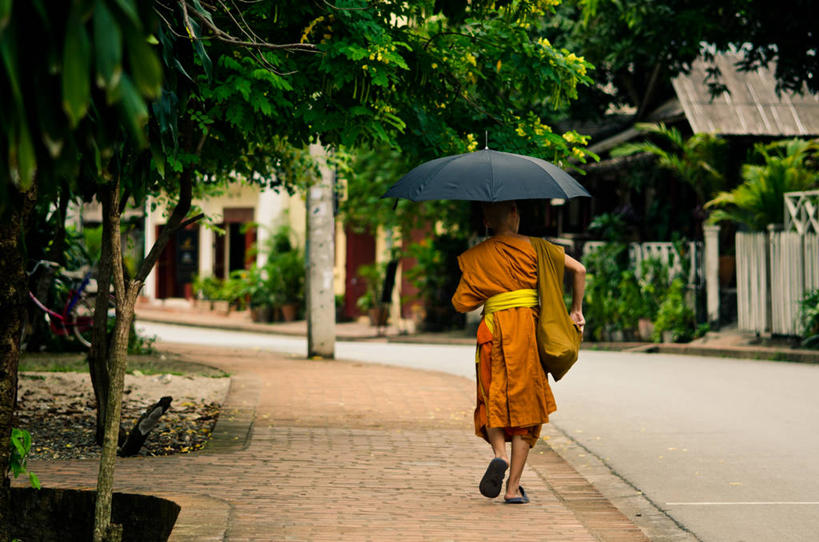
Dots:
(290, 271)
(608, 227)
(373, 276)
(436, 274)
(637, 47)
(605, 267)
(140, 344)
(208, 287)
(285, 271)
(699, 161)
(777, 168)
(20, 448)
(616, 299)
(236, 288)
(71, 88)
(809, 317)
(675, 315)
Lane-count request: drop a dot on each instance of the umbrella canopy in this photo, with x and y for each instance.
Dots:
(486, 175)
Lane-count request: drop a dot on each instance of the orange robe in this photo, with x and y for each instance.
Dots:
(513, 391)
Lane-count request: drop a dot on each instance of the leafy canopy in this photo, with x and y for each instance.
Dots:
(639, 46)
(783, 166)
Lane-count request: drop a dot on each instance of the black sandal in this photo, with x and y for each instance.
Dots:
(492, 480)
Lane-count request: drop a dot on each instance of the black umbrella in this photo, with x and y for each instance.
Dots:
(486, 175)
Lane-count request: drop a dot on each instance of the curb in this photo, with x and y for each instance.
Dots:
(248, 328)
(759, 353)
(756, 353)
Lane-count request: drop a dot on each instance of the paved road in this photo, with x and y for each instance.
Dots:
(727, 448)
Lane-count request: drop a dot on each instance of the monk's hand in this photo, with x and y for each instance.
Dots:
(577, 318)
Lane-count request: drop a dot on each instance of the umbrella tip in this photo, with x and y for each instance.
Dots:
(486, 140)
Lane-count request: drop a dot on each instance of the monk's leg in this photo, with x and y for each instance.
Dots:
(497, 438)
(520, 451)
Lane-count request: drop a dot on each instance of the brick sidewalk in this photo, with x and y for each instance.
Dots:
(331, 450)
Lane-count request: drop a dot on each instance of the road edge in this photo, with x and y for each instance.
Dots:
(657, 525)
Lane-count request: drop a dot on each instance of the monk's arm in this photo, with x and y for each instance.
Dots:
(465, 298)
(578, 289)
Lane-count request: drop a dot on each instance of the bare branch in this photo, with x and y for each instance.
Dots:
(328, 4)
(201, 143)
(190, 221)
(183, 205)
(241, 28)
(169, 26)
(227, 38)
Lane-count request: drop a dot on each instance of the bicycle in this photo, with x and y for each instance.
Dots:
(76, 320)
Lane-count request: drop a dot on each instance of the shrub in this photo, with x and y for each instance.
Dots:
(675, 315)
(810, 319)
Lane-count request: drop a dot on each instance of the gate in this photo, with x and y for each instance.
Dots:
(776, 269)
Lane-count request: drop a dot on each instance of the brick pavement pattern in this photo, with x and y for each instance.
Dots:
(334, 450)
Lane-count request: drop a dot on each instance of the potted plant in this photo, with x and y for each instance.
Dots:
(292, 271)
(284, 274)
(206, 290)
(370, 302)
(675, 319)
(258, 292)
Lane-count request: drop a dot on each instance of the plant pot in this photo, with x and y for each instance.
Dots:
(289, 311)
(727, 266)
(378, 316)
(221, 307)
(645, 328)
(203, 305)
(263, 313)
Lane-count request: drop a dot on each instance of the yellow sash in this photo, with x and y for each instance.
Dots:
(501, 302)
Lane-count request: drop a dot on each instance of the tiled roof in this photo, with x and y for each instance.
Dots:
(752, 107)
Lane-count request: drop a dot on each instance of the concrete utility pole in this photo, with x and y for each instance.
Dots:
(321, 309)
(712, 274)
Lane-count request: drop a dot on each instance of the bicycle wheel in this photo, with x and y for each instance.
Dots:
(81, 319)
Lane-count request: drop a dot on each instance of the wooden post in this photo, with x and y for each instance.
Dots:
(712, 275)
(321, 312)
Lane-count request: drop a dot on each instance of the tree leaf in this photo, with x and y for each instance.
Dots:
(8, 50)
(5, 13)
(145, 67)
(76, 78)
(21, 157)
(134, 108)
(107, 45)
(129, 9)
(199, 49)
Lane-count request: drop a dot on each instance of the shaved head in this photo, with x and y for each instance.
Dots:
(497, 215)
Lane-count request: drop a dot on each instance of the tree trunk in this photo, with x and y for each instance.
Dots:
(126, 295)
(113, 365)
(13, 288)
(103, 529)
(98, 355)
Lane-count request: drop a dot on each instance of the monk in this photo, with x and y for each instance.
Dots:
(513, 394)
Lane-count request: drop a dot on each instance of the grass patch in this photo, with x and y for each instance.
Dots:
(147, 364)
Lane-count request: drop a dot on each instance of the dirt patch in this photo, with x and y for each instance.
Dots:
(57, 408)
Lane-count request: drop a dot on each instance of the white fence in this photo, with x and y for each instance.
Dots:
(774, 271)
(802, 211)
(752, 281)
(666, 253)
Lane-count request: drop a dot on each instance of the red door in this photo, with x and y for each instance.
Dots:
(360, 251)
(165, 269)
(408, 289)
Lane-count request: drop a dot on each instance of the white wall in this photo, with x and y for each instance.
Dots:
(272, 208)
